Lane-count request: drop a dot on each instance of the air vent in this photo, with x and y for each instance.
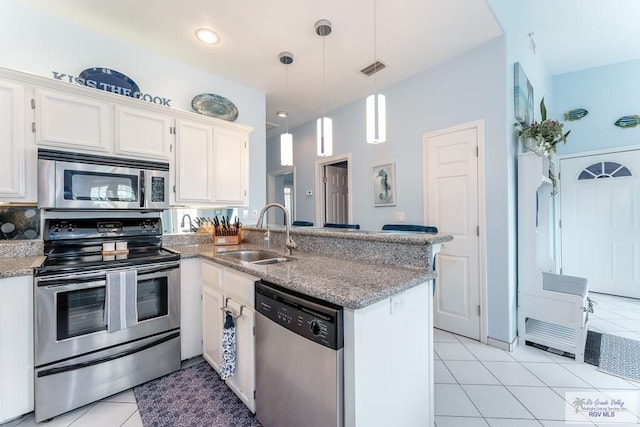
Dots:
(271, 126)
(373, 68)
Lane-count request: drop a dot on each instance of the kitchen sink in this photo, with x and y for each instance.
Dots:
(257, 256)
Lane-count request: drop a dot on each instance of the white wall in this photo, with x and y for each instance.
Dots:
(512, 16)
(608, 93)
(469, 87)
(39, 43)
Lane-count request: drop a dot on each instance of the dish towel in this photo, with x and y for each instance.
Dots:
(228, 364)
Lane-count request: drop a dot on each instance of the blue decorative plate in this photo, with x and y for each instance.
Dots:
(108, 80)
(215, 106)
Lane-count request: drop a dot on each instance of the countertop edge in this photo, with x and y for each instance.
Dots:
(280, 274)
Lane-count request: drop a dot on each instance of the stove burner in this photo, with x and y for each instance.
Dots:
(75, 245)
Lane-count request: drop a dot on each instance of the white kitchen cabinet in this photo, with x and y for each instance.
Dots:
(142, 133)
(223, 287)
(212, 303)
(211, 164)
(239, 290)
(16, 347)
(74, 122)
(194, 163)
(243, 382)
(190, 308)
(231, 172)
(16, 184)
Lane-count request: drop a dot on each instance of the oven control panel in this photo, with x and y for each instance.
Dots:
(58, 229)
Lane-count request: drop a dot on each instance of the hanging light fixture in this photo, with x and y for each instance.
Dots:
(286, 139)
(376, 103)
(325, 125)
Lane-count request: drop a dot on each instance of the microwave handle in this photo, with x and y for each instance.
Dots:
(142, 189)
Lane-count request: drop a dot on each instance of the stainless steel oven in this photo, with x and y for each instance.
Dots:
(83, 181)
(104, 321)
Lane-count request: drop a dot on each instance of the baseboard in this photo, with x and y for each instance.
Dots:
(502, 345)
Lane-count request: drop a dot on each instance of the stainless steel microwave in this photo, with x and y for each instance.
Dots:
(86, 182)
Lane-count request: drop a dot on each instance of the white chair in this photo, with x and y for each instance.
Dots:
(552, 308)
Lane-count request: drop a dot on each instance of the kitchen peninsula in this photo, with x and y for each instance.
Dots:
(384, 282)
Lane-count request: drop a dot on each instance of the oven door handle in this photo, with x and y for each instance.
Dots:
(78, 278)
(157, 268)
(75, 285)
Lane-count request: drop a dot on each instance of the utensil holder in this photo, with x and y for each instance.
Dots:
(233, 236)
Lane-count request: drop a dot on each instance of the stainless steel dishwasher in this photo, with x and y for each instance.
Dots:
(299, 359)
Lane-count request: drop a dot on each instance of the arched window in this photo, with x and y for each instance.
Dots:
(604, 170)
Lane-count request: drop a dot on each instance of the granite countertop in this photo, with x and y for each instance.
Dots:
(350, 284)
(19, 266)
(392, 236)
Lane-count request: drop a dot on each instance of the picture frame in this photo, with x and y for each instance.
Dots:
(522, 96)
(383, 179)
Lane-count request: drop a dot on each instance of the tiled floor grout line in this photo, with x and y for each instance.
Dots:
(497, 379)
(554, 361)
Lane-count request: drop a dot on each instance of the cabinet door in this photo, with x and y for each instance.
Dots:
(73, 122)
(143, 133)
(240, 287)
(244, 380)
(194, 160)
(18, 172)
(16, 347)
(190, 308)
(212, 302)
(230, 168)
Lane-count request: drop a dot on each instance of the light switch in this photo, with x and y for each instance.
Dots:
(400, 216)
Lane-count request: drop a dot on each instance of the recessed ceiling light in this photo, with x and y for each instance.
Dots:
(282, 114)
(207, 36)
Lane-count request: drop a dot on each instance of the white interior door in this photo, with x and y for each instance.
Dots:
(451, 174)
(336, 195)
(600, 212)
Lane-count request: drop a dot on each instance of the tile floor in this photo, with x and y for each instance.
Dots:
(118, 410)
(616, 316)
(478, 385)
(475, 384)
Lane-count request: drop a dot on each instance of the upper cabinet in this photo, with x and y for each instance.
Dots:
(72, 121)
(143, 133)
(193, 164)
(230, 168)
(15, 184)
(208, 157)
(212, 164)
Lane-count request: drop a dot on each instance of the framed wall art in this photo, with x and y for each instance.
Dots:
(384, 185)
(522, 96)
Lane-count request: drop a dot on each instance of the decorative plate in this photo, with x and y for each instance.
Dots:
(105, 79)
(215, 106)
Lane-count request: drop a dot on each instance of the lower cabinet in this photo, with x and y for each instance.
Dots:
(226, 289)
(212, 303)
(243, 383)
(16, 347)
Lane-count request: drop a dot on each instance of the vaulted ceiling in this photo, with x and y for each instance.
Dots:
(412, 36)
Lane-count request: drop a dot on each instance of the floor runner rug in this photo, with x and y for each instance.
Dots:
(193, 396)
(592, 348)
(620, 356)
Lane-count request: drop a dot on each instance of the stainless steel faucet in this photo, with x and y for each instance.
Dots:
(289, 244)
(191, 227)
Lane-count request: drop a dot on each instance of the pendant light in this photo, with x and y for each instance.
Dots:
(286, 139)
(325, 125)
(376, 103)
